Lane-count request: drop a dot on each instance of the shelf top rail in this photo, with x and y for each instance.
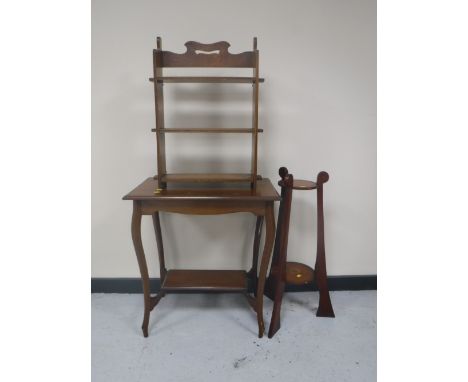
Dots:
(215, 55)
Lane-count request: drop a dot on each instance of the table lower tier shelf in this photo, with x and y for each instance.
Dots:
(216, 281)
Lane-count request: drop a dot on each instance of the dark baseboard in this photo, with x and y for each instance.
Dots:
(133, 285)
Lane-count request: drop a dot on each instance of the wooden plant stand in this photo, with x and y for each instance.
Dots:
(283, 272)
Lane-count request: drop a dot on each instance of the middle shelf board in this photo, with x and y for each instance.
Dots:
(212, 80)
(206, 130)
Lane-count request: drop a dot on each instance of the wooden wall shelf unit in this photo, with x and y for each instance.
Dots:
(200, 55)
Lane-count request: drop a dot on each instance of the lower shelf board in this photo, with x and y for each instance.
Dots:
(206, 178)
(185, 280)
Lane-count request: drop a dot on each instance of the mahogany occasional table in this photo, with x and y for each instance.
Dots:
(211, 199)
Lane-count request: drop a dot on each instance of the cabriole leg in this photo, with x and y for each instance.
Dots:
(140, 254)
(252, 274)
(269, 238)
(159, 242)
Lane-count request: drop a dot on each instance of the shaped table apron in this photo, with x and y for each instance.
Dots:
(202, 207)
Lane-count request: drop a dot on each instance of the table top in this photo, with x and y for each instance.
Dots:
(213, 191)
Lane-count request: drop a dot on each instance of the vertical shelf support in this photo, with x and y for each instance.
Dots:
(159, 109)
(255, 87)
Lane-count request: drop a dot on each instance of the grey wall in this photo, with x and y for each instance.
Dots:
(318, 110)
